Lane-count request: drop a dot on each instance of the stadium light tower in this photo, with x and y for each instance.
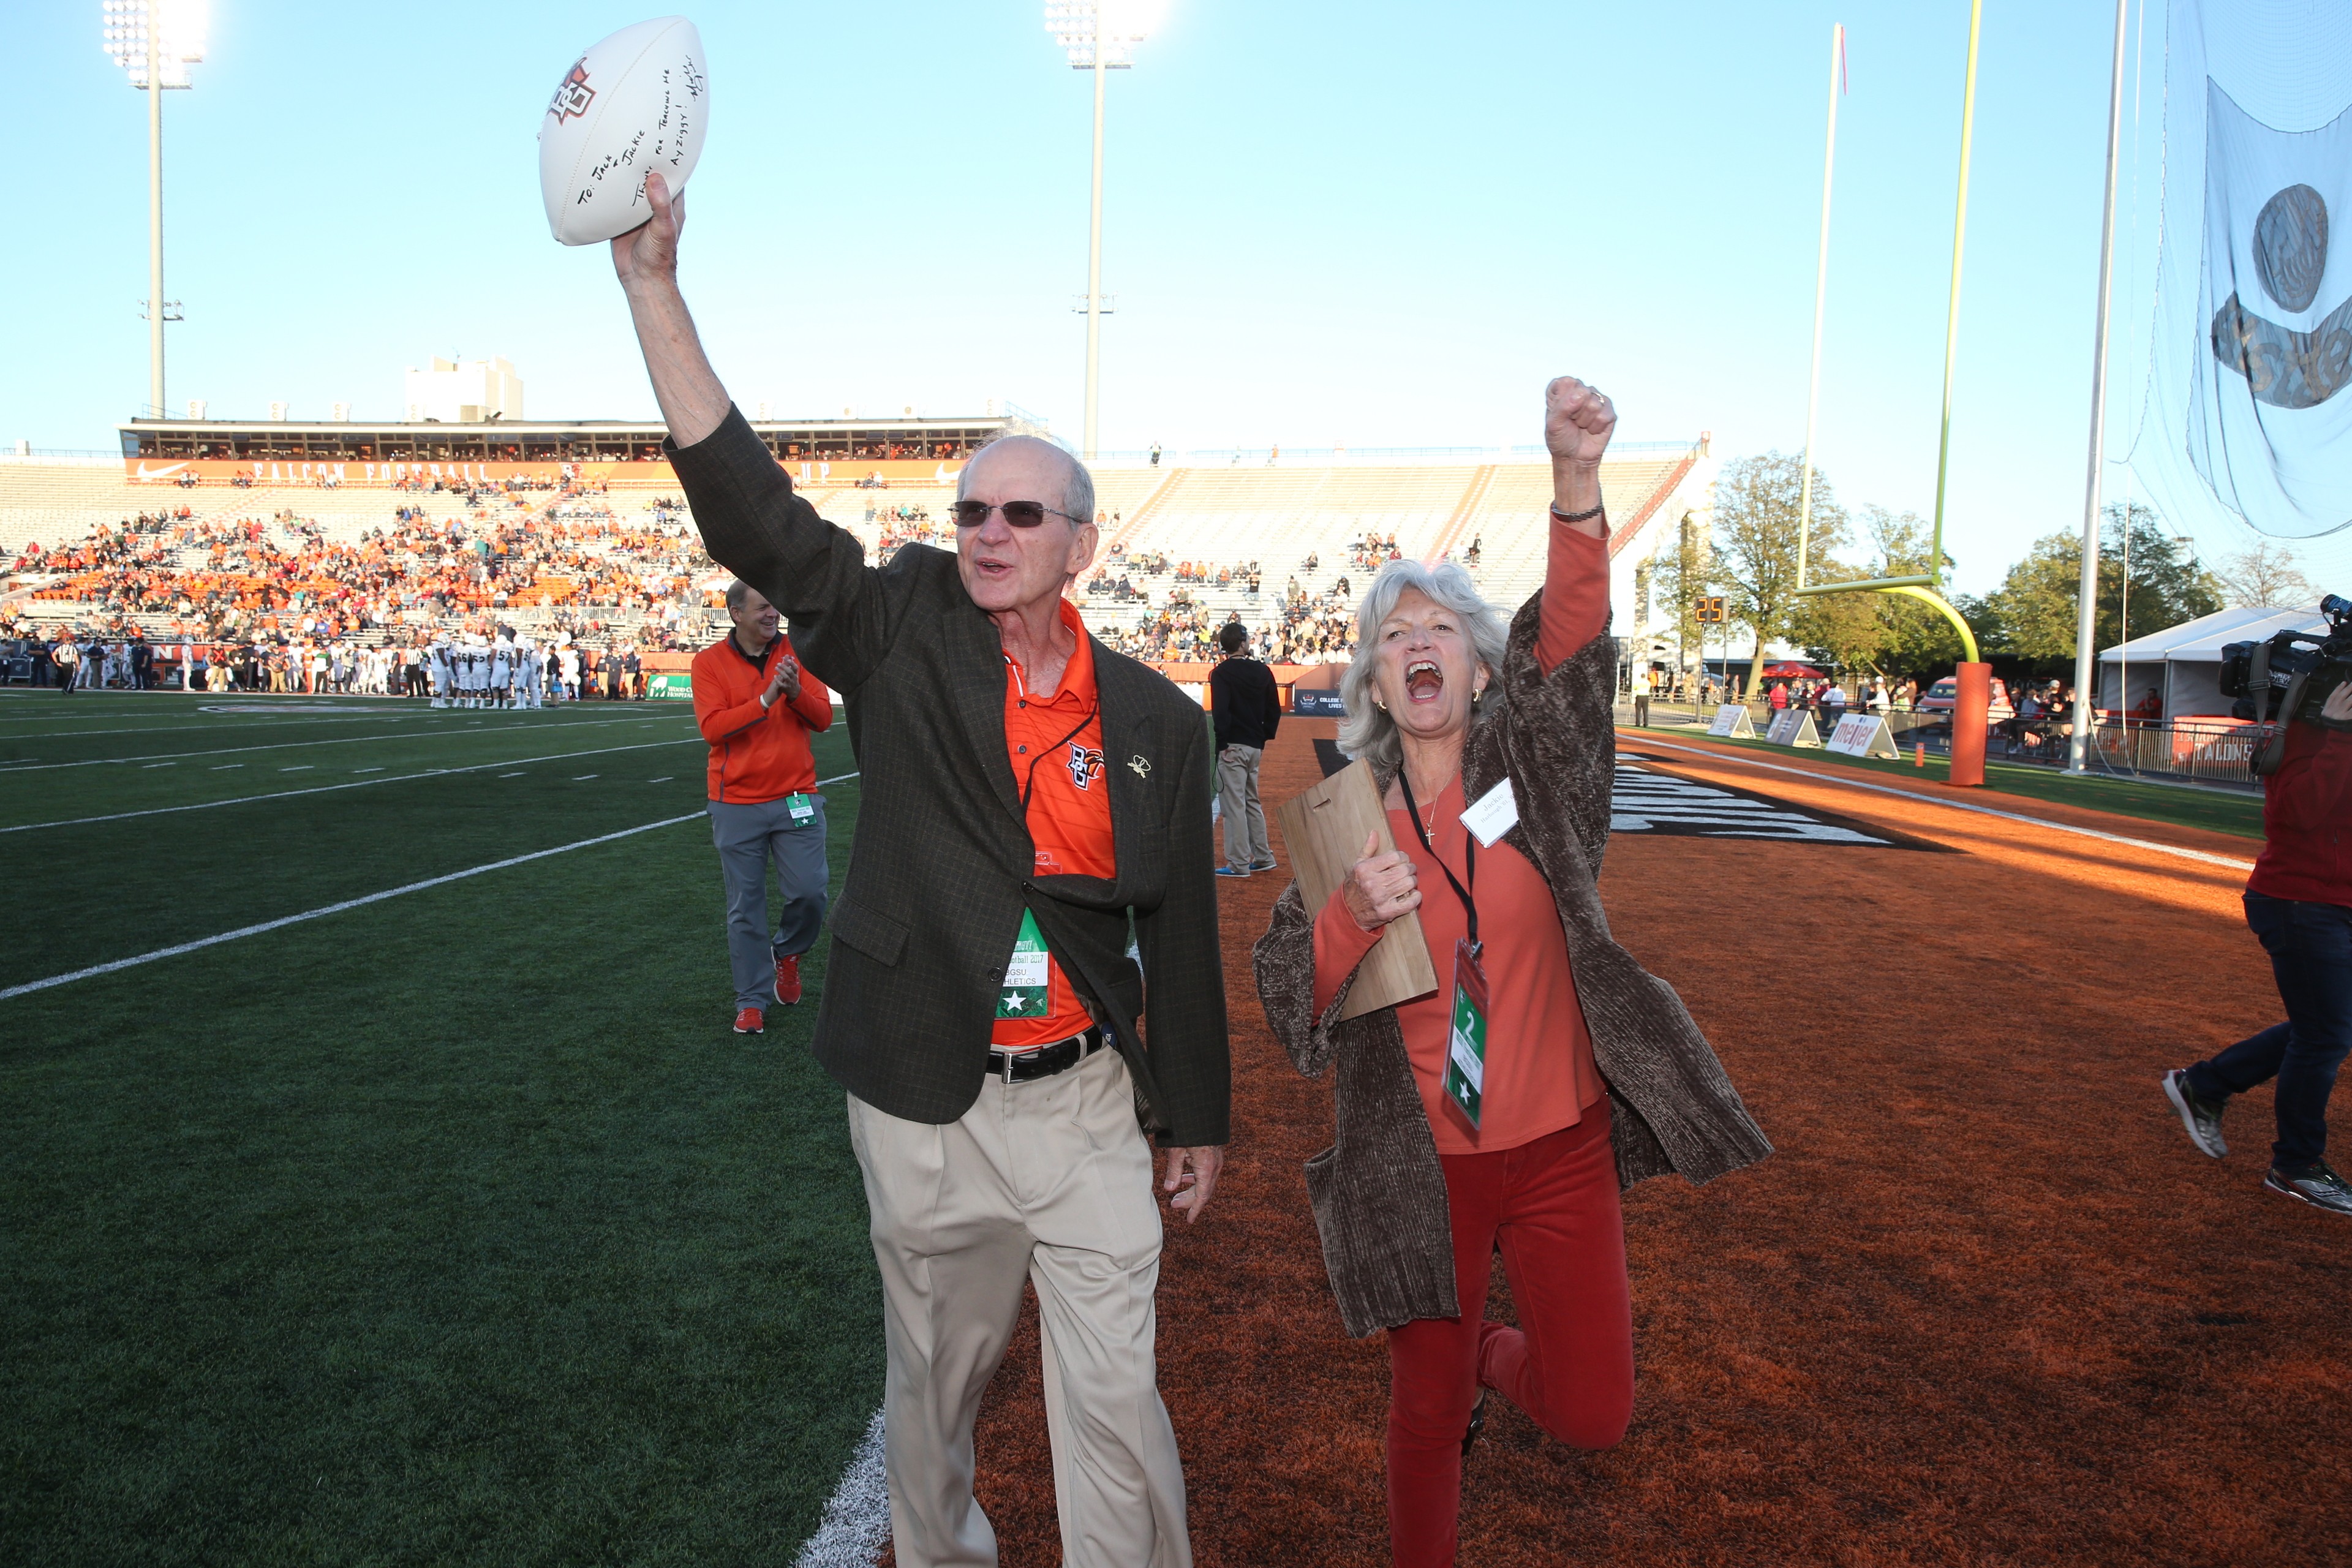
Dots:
(1098, 36)
(155, 41)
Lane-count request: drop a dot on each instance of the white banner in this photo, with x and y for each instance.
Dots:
(2250, 372)
(2270, 423)
(1794, 727)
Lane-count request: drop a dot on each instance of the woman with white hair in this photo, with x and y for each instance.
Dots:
(1506, 1108)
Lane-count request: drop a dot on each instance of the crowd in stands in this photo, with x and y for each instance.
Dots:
(276, 601)
(1320, 632)
(1116, 579)
(884, 451)
(1178, 633)
(228, 579)
(1183, 630)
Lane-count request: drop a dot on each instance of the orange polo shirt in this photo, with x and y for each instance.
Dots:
(1540, 1073)
(756, 754)
(1054, 744)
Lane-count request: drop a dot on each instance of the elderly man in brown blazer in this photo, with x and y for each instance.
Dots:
(1032, 844)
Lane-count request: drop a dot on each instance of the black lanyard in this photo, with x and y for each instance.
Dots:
(1469, 859)
(1029, 784)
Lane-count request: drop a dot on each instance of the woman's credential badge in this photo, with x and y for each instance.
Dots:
(1465, 1043)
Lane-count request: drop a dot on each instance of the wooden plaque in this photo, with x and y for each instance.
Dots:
(1324, 830)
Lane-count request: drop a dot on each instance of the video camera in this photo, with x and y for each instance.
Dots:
(2261, 674)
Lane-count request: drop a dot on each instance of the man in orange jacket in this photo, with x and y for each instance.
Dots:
(757, 708)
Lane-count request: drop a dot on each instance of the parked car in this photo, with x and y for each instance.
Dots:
(1942, 696)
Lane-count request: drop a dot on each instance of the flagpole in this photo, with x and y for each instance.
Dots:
(2086, 608)
(1821, 302)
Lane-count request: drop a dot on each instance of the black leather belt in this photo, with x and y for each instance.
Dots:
(1021, 1067)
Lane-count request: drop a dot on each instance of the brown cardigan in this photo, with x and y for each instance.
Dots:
(1379, 1192)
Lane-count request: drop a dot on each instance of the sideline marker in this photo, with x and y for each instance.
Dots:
(1919, 753)
(1864, 735)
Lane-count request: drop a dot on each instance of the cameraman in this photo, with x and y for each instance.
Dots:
(2299, 902)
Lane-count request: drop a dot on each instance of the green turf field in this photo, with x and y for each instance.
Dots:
(457, 1226)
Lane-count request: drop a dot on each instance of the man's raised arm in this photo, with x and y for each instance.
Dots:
(750, 520)
(693, 403)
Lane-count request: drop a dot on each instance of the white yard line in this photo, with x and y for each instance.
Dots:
(356, 783)
(857, 1515)
(284, 746)
(325, 909)
(2197, 855)
(232, 724)
(362, 784)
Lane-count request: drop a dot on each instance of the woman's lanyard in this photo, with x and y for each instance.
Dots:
(1469, 861)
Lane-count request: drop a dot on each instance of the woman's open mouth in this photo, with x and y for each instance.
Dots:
(1424, 680)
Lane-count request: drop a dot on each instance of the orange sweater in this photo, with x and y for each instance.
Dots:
(756, 754)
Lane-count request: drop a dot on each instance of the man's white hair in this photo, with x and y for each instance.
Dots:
(1077, 488)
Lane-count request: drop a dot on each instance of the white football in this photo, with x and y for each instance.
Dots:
(636, 103)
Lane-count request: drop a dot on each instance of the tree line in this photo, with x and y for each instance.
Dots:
(1749, 560)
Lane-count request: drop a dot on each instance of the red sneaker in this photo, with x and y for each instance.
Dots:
(750, 1022)
(788, 981)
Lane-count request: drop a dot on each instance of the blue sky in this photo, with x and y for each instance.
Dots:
(1374, 223)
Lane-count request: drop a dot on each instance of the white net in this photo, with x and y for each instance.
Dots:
(2245, 423)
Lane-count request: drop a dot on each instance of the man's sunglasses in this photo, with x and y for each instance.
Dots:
(1019, 513)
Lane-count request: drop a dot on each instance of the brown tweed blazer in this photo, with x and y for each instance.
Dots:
(1379, 1192)
(943, 865)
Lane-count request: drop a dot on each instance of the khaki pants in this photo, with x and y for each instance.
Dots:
(1048, 1181)
(1244, 818)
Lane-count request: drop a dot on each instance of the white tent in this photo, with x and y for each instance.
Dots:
(2181, 666)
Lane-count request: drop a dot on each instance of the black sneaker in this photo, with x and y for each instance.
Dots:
(2202, 1118)
(2314, 1185)
(1477, 1422)
(1265, 865)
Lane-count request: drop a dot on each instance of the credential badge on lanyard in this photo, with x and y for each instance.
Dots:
(1026, 973)
(1465, 1029)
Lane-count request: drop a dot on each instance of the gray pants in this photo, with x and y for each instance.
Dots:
(1246, 842)
(747, 837)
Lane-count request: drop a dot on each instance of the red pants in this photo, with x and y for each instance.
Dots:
(1553, 1205)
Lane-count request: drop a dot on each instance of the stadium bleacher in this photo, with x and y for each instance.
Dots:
(1274, 515)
